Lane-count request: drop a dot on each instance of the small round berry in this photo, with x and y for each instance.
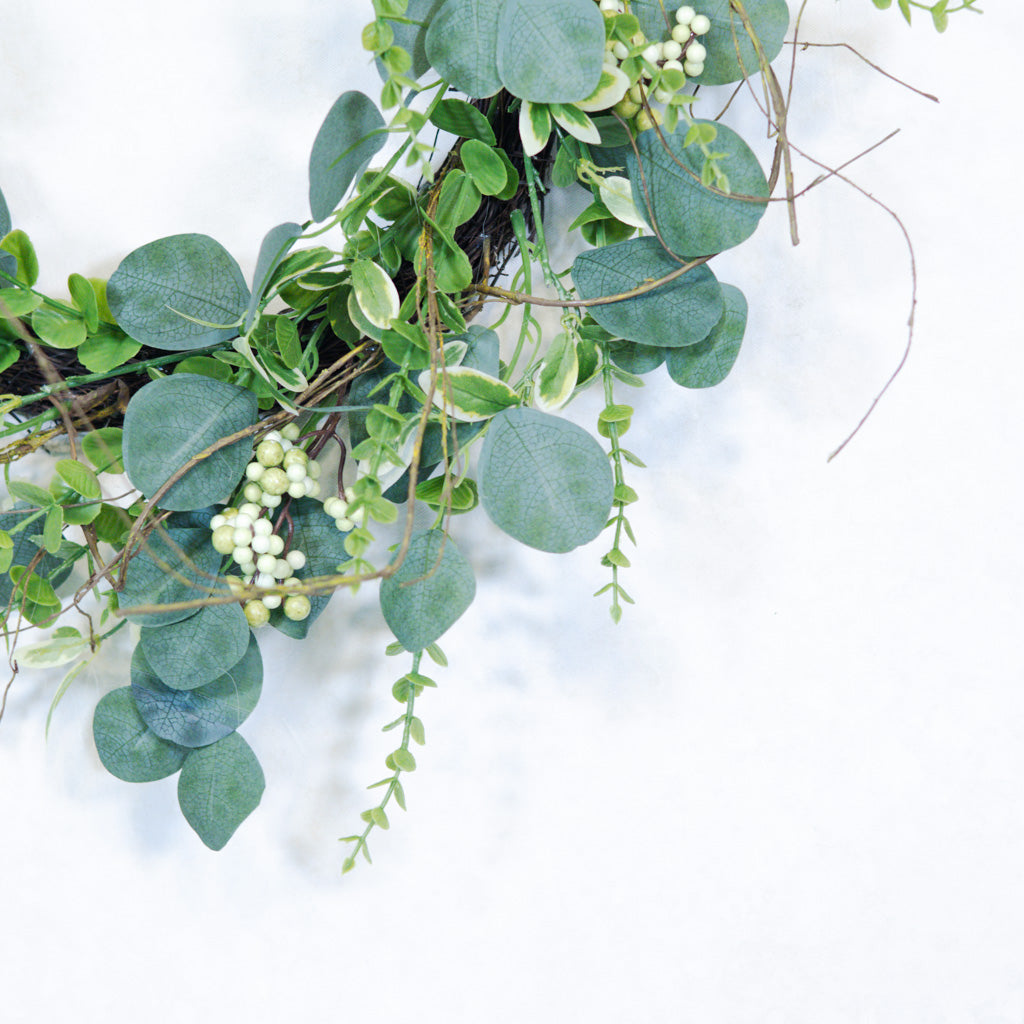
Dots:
(266, 564)
(672, 65)
(256, 613)
(269, 453)
(223, 539)
(296, 559)
(626, 107)
(297, 607)
(252, 492)
(271, 601)
(312, 487)
(276, 545)
(263, 579)
(252, 510)
(645, 120)
(696, 54)
(653, 53)
(663, 95)
(262, 527)
(685, 14)
(261, 544)
(609, 5)
(621, 50)
(700, 25)
(242, 555)
(671, 49)
(681, 34)
(296, 489)
(282, 570)
(217, 522)
(274, 481)
(241, 536)
(295, 473)
(344, 524)
(271, 500)
(295, 457)
(291, 431)
(254, 470)
(334, 507)
(693, 68)
(314, 470)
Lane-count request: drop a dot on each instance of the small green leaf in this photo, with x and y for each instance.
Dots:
(18, 244)
(558, 374)
(484, 166)
(375, 293)
(102, 447)
(403, 760)
(470, 395)
(15, 302)
(79, 478)
(34, 495)
(106, 350)
(463, 119)
(84, 297)
(53, 529)
(58, 329)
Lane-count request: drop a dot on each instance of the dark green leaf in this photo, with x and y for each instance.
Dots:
(102, 447)
(19, 245)
(128, 748)
(463, 119)
(430, 590)
(159, 285)
(219, 787)
(106, 349)
(84, 297)
(544, 481)
(484, 166)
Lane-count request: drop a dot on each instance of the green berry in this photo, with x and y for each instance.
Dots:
(257, 613)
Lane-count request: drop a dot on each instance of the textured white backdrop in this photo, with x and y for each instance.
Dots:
(786, 788)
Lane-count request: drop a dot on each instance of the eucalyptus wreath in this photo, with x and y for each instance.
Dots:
(222, 399)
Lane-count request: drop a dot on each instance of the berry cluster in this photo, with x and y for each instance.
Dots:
(345, 517)
(247, 533)
(664, 65)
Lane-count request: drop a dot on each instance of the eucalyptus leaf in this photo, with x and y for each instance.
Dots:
(461, 45)
(550, 52)
(8, 264)
(681, 312)
(175, 564)
(431, 589)
(544, 481)
(695, 220)
(159, 286)
(708, 363)
(197, 650)
(350, 135)
(128, 748)
(219, 787)
(174, 419)
(200, 716)
(412, 37)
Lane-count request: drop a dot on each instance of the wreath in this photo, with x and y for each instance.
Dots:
(222, 399)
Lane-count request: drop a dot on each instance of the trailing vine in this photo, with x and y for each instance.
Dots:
(203, 412)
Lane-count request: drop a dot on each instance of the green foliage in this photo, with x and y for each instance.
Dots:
(544, 481)
(461, 44)
(429, 592)
(219, 787)
(178, 293)
(708, 362)
(196, 650)
(680, 312)
(171, 421)
(128, 748)
(197, 716)
(349, 137)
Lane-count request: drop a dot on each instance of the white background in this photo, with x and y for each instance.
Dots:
(787, 788)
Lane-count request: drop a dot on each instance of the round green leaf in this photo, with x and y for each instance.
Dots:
(196, 718)
(484, 166)
(694, 220)
(128, 748)
(175, 564)
(550, 52)
(159, 286)
(461, 45)
(463, 119)
(681, 312)
(433, 586)
(219, 787)
(173, 419)
(544, 481)
(350, 135)
(708, 363)
(194, 651)
(638, 358)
